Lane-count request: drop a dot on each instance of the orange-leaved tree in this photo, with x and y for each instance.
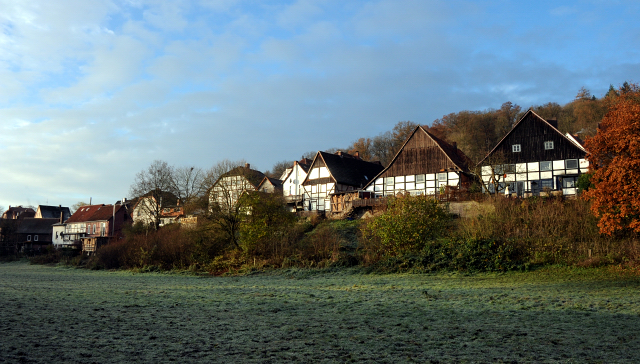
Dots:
(614, 158)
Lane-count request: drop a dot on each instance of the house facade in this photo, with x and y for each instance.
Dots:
(93, 225)
(34, 234)
(292, 189)
(156, 207)
(226, 191)
(270, 185)
(534, 158)
(424, 165)
(331, 175)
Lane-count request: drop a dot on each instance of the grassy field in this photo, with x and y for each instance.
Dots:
(555, 315)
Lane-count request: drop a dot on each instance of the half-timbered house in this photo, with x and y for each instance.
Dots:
(534, 158)
(424, 165)
(292, 184)
(334, 174)
(230, 186)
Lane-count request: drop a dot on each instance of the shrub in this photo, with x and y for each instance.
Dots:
(408, 224)
(469, 255)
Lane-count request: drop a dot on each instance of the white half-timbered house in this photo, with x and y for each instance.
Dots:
(292, 184)
(334, 174)
(227, 190)
(534, 158)
(424, 165)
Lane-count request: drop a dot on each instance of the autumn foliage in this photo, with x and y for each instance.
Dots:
(614, 156)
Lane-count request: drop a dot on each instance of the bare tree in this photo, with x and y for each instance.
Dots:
(227, 182)
(188, 185)
(278, 169)
(77, 205)
(153, 187)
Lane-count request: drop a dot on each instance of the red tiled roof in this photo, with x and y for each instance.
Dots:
(93, 213)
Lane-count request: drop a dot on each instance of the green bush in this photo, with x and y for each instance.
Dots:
(408, 225)
(468, 255)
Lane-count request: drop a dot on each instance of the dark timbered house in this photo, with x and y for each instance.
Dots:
(424, 165)
(534, 158)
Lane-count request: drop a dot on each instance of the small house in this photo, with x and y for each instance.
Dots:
(333, 175)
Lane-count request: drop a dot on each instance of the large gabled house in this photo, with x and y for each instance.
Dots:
(424, 165)
(94, 225)
(331, 175)
(226, 191)
(534, 158)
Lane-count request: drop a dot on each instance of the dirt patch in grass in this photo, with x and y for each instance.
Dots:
(557, 315)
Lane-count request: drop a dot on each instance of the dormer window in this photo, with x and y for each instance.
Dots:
(548, 145)
(515, 148)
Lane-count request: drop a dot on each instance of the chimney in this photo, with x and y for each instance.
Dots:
(61, 217)
(247, 165)
(553, 122)
(357, 154)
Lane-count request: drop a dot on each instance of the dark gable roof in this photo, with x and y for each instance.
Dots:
(94, 213)
(530, 115)
(305, 164)
(350, 171)
(53, 212)
(455, 155)
(30, 225)
(254, 177)
(276, 183)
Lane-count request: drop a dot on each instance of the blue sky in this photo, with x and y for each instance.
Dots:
(93, 91)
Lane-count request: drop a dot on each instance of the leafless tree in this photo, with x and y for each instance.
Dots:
(227, 182)
(188, 185)
(77, 205)
(278, 169)
(153, 188)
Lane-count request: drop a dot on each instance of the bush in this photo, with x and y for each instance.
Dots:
(408, 225)
(469, 255)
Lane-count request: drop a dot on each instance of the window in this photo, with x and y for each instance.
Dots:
(548, 145)
(515, 148)
(442, 176)
(572, 163)
(545, 166)
(28, 237)
(389, 181)
(509, 168)
(569, 182)
(35, 238)
(420, 178)
(546, 184)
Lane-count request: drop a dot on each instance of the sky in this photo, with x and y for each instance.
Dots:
(92, 92)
